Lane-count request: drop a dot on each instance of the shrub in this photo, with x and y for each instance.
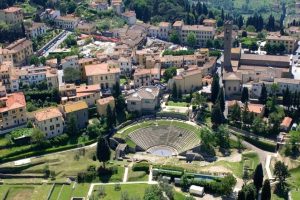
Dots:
(141, 167)
(260, 144)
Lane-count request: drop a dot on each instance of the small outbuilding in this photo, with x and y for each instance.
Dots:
(196, 190)
(286, 124)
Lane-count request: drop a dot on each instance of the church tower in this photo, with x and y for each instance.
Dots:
(227, 46)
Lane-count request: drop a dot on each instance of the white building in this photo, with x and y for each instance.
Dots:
(125, 65)
(196, 190)
(50, 14)
(68, 22)
(70, 61)
(50, 121)
(35, 29)
(129, 17)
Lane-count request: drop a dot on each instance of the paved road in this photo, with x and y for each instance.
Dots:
(56, 44)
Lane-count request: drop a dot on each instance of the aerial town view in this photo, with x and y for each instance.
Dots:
(149, 99)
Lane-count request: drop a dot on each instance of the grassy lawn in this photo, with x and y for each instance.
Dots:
(19, 193)
(179, 195)
(81, 190)
(295, 194)
(250, 159)
(66, 192)
(55, 192)
(137, 175)
(134, 190)
(178, 104)
(294, 179)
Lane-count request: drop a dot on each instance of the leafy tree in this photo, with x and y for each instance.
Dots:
(287, 98)
(153, 192)
(244, 34)
(184, 181)
(222, 134)
(174, 37)
(198, 99)
(281, 172)
(235, 114)
(259, 126)
(169, 73)
(116, 90)
(266, 190)
(37, 136)
(253, 46)
(263, 95)
(71, 75)
(215, 88)
(72, 129)
(36, 18)
(258, 177)
(191, 39)
(34, 60)
(241, 195)
(102, 151)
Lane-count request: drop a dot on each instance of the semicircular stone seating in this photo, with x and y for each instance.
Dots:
(178, 138)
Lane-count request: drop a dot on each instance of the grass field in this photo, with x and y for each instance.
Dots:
(137, 176)
(134, 190)
(250, 159)
(20, 192)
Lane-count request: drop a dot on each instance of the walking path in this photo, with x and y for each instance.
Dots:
(125, 177)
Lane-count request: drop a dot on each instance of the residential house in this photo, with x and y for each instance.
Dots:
(70, 61)
(12, 110)
(18, 51)
(232, 85)
(35, 29)
(50, 14)
(286, 124)
(68, 22)
(99, 5)
(164, 30)
(50, 121)
(12, 15)
(88, 93)
(78, 110)
(145, 77)
(104, 74)
(87, 28)
(103, 103)
(129, 17)
(289, 42)
(145, 99)
(125, 65)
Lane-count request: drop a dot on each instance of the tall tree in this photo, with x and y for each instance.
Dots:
(241, 195)
(266, 190)
(287, 98)
(174, 91)
(215, 88)
(221, 99)
(217, 115)
(110, 117)
(153, 192)
(263, 95)
(258, 177)
(191, 40)
(235, 114)
(281, 172)
(116, 90)
(102, 151)
(71, 124)
(245, 95)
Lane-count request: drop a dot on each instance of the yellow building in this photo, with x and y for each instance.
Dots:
(52, 78)
(50, 121)
(104, 74)
(12, 15)
(103, 103)
(19, 51)
(87, 28)
(12, 111)
(289, 42)
(188, 80)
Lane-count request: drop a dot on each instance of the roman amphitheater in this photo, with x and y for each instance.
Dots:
(160, 137)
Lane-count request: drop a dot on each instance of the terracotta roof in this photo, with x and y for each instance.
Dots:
(281, 38)
(231, 77)
(164, 24)
(286, 122)
(178, 23)
(100, 69)
(12, 9)
(265, 58)
(48, 113)
(255, 108)
(13, 101)
(197, 28)
(19, 45)
(75, 106)
(88, 88)
(105, 101)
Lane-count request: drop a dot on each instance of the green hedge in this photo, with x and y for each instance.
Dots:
(31, 153)
(169, 167)
(170, 173)
(266, 146)
(141, 167)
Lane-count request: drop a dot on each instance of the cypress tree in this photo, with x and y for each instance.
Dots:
(215, 87)
(258, 177)
(245, 95)
(221, 99)
(266, 190)
(217, 114)
(263, 95)
(102, 151)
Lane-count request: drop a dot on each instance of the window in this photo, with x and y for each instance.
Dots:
(52, 127)
(229, 88)
(57, 125)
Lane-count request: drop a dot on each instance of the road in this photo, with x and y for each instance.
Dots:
(53, 45)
